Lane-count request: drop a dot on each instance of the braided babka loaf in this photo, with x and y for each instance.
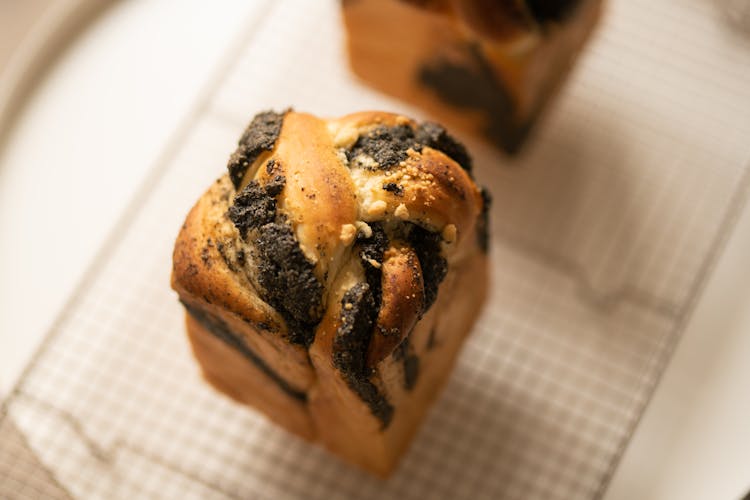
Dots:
(331, 276)
(485, 65)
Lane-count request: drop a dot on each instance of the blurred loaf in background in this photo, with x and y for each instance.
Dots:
(487, 66)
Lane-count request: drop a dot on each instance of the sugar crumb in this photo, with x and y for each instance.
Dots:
(377, 208)
(363, 228)
(402, 212)
(450, 233)
(348, 233)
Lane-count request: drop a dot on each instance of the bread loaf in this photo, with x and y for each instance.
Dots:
(331, 276)
(489, 66)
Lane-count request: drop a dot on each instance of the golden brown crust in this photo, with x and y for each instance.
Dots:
(498, 21)
(403, 300)
(486, 66)
(372, 210)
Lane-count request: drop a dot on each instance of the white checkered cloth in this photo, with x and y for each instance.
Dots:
(603, 236)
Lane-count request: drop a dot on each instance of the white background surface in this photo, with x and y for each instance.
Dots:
(95, 126)
(104, 114)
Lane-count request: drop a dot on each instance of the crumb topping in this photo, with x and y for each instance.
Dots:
(348, 234)
(401, 212)
(449, 233)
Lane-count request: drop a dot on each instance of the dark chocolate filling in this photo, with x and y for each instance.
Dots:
(358, 315)
(353, 337)
(288, 280)
(483, 225)
(221, 330)
(372, 249)
(435, 136)
(426, 244)
(258, 137)
(551, 10)
(432, 339)
(471, 84)
(388, 146)
(405, 353)
(223, 251)
(385, 145)
(285, 275)
(255, 205)
(394, 188)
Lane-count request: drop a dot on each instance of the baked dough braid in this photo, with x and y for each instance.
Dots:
(330, 277)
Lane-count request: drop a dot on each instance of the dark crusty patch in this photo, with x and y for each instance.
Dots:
(358, 314)
(221, 330)
(372, 249)
(435, 136)
(426, 244)
(394, 188)
(258, 137)
(288, 281)
(551, 10)
(387, 146)
(255, 205)
(483, 225)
